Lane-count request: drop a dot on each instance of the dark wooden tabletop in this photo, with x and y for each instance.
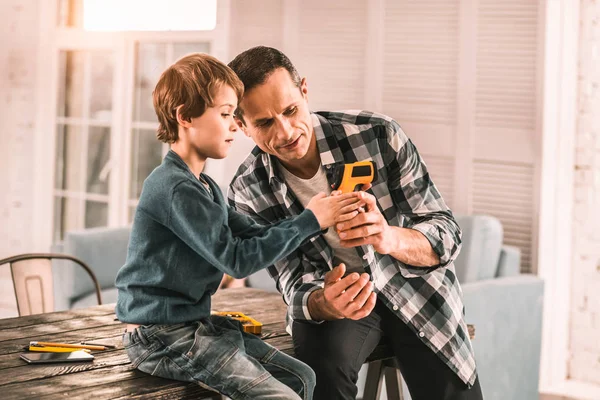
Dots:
(110, 375)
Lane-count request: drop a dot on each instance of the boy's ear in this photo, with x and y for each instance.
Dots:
(180, 120)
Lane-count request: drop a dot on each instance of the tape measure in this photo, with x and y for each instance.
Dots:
(249, 324)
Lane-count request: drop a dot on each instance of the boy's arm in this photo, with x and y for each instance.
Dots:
(203, 225)
(295, 277)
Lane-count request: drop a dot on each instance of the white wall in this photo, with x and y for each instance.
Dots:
(460, 76)
(584, 363)
(19, 37)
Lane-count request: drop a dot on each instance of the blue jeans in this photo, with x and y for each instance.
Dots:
(217, 353)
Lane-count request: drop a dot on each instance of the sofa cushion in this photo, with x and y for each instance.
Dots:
(89, 300)
(104, 250)
(481, 243)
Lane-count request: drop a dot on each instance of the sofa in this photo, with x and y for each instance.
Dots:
(504, 305)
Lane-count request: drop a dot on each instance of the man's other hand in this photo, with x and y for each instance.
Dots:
(349, 297)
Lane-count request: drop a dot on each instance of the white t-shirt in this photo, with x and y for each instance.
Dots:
(306, 189)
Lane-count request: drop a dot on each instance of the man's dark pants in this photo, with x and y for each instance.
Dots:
(337, 349)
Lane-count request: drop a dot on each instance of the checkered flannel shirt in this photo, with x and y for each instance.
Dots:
(428, 300)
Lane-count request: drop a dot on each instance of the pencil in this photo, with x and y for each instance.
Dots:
(50, 349)
(74, 346)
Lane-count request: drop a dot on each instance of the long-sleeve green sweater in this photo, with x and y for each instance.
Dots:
(184, 237)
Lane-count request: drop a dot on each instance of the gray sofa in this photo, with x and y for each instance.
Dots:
(504, 305)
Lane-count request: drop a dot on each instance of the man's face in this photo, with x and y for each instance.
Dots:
(277, 118)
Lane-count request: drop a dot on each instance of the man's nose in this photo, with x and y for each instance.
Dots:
(285, 130)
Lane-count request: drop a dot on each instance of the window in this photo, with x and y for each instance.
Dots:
(83, 136)
(101, 125)
(146, 151)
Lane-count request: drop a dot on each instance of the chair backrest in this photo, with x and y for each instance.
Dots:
(481, 247)
(33, 281)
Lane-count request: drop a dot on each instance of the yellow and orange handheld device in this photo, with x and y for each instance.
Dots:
(249, 324)
(350, 177)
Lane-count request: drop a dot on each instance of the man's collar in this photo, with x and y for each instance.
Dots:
(327, 145)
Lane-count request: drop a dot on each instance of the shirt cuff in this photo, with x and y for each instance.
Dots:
(299, 307)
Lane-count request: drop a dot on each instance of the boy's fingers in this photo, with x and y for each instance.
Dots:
(346, 216)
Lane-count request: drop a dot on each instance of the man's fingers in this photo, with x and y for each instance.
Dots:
(361, 298)
(335, 274)
(356, 242)
(360, 220)
(366, 309)
(361, 232)
(354, 289)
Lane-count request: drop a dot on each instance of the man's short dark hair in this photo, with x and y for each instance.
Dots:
(255, 65)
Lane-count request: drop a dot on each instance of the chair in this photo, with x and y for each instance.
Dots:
(33, 281)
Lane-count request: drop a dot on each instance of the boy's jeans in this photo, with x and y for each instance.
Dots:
(216, 353)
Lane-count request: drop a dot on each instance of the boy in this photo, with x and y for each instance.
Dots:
(184, 237)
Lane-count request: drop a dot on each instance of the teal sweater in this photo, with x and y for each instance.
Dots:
(184, 237)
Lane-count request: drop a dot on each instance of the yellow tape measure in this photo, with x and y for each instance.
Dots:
(249, 324)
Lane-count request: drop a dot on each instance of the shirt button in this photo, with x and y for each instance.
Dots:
(395, 307)
(365, 257)
(328, 167)
(421, 334)
(189, 354)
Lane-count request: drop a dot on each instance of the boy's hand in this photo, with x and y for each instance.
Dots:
(336, 208)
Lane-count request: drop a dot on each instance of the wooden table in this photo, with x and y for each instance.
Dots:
(110, 375)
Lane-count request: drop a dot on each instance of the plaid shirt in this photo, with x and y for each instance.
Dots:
(428, 300)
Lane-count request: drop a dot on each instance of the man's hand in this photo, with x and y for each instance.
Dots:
(404, 244)
(349, 297)
(369, 227)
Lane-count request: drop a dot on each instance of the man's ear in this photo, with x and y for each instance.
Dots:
(304, 88)
(180, 120)
(241, 125)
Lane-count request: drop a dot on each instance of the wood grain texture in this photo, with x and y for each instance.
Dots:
(110, 375)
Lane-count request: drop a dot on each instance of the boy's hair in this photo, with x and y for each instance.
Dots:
(255, 65)
(191, 83)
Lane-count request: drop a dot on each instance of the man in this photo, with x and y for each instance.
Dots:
(389, 273)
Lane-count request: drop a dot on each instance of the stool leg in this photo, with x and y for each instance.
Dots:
(393, 383)
(374, 381)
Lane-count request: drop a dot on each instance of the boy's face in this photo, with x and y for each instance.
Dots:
(277, 118)
(211, 134)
